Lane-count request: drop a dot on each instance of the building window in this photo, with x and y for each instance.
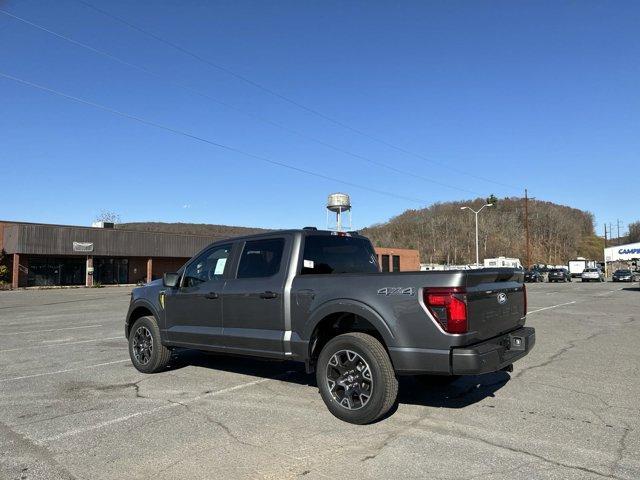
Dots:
(110, 271)
(396, 263)
(53, 271)
(385, 263)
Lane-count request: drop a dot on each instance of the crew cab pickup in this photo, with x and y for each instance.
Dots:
(319, 297)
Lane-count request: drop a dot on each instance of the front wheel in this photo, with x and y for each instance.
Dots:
(147, 353)
(356, 378)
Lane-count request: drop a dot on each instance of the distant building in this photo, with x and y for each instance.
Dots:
(398, 259)
(64, 255)
(622, 253)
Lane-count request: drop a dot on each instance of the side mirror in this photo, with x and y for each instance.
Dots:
(171, 280)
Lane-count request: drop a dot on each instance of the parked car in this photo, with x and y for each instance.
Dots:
(592, 275)
(319, 297)
(533, 276)
(623, 276)
(559, 275)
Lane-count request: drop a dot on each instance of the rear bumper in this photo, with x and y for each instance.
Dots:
(493, 354)
(488, 356)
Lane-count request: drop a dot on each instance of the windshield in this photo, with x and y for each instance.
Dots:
(590, 270)
(326, 254)
(623, 272)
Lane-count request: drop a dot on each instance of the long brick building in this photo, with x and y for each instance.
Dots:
(59, 255)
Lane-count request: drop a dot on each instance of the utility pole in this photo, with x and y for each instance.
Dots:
(605, 247)
(610, 231)
(526, 226)
(618, 225)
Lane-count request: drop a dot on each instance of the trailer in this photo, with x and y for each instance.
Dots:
(577, 266)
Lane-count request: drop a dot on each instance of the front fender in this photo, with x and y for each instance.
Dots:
(143, 302)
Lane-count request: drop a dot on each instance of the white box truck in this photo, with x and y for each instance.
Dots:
(577, 266)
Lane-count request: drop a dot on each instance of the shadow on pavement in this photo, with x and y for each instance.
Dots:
(440, 392)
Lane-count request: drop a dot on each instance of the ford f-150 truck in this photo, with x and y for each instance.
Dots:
(319, 297)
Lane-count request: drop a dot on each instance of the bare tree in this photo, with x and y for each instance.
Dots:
(634, 232)
(108, 216)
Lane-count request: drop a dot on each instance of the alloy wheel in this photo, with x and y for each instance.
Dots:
(142, 345)
(349, 379)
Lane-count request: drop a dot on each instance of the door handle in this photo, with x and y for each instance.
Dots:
(211, 295)
(268, 295)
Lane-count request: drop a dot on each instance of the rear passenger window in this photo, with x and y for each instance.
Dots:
(261, 258)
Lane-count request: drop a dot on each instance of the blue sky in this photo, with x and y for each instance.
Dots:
(542, 95)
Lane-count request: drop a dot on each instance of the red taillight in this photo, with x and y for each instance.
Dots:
(449, 307)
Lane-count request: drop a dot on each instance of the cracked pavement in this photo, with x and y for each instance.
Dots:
(77, 409)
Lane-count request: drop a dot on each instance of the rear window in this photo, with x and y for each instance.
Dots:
(590, 270)
(326, 254)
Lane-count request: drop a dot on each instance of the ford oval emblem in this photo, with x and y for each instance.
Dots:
(502, 298)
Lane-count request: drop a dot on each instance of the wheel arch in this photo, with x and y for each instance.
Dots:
(343, 316)
(140, 309)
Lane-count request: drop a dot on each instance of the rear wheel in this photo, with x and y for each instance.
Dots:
(147, 353)
(356, 378)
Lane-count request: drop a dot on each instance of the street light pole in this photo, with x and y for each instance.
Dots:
(476, 215)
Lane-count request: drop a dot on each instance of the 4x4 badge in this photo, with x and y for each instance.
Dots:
(396, 291)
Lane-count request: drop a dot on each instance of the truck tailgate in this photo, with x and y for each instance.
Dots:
(496, 301)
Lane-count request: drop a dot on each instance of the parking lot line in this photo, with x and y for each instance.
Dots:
(61, 344)
(57, 372)
(50, 330)
(549, 308)
(173, 404)
(90, 299)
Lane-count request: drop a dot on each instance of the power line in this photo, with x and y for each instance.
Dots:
(289, 100)
(232, 107)
(205, 140)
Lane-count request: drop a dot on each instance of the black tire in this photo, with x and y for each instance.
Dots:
(146, 351)
(369, 355)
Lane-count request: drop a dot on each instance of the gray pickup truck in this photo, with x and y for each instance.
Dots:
(319, 297)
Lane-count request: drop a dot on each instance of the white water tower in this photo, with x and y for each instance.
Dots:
(338, 203)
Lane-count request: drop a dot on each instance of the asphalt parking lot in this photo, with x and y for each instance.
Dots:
(72, 406)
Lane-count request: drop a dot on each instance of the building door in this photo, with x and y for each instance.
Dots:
(193, 315)
(253, 301)
(385, 263)
(396, 263)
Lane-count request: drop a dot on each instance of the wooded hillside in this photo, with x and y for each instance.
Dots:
(443, 233)
(191, 228)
